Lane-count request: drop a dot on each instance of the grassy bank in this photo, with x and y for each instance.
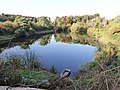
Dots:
(24, 71)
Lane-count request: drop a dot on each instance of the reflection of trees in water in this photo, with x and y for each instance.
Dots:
(25, 42)
(75, 38)
(44, 40)
(22, 42)
(62, 37)
(0, 50)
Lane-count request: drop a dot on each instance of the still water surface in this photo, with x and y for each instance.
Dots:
(58, 54)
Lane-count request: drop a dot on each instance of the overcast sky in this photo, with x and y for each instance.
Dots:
(53, 8)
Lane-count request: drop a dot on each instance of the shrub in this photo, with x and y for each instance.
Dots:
(77, 28)
(20, 33)
(8, 75)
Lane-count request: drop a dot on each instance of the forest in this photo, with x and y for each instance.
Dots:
(92, 25)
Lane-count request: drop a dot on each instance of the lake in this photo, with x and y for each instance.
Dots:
(53, 52)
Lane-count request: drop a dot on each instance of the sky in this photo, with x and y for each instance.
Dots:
(52, 8)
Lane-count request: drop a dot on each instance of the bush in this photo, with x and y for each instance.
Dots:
(20, 33)
(11, 77)
(77, 28)
(8, 75)
(101, 74)
(11, 69)
(114, 28)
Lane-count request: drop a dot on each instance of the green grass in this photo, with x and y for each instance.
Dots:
(36, 75)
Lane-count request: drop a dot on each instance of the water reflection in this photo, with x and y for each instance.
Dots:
(44, 40)
(58, 50)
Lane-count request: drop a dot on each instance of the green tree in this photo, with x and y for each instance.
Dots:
(78, 28)
(44, 22)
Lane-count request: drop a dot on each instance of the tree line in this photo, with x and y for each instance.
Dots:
(92, 25)
(23, 25)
